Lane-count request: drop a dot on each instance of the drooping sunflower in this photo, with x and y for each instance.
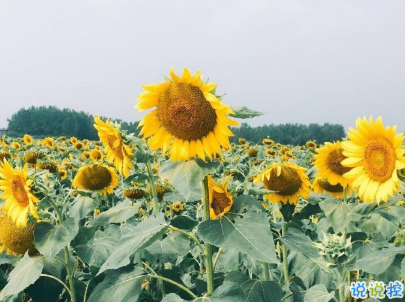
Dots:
(117, 151)
(96, 177)
(328, 160)
(189, 119)
(28, 140)
(268, 142)
(375, 154)
(16, 239)
(321, 185)
(288, 180)
(17, 194)
(220, 200)
(32, 157)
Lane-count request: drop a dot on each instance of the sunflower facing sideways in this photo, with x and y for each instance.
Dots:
(288, 180)
(17, 194)
(375, 154)
(220, 199)
(328, 160)
(189, 119)
(96, 177)
(117, 151)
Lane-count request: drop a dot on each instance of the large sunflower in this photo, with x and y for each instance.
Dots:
(16, 239)
(328, 160)
(17, 194)
(117, 151)
(288, 180)
(189, 119)
(220, 199)
(96, 177)
(375, 154)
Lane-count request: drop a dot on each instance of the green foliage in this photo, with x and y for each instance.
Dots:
(289, 134)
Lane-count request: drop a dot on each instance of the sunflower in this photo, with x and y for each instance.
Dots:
(310, 144)
(270, 152)
(328, 160)
(220, 199)
(96, 155)
(28, 140)
(16, 145)
(4, 155)
(62, 173)
(288, 180)
(73, 140)
(50, 166)
(78, 146)
(252, 152)
(49, 142)
(117, 151)
(177, 206)
(135, 193)
(17, 194)
(242, 141)
(16, 239)
(96, 177)
(268, 142)
(375, 154)
(188, 118)
(32, 157)
(321, 185)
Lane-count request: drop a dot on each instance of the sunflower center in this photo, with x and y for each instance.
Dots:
(96, 177)
(287, 183)
(115, 147)
(219, 202)
(324, 184)
(185, 113)
(379, 159)
(333, 162)
(19, 193)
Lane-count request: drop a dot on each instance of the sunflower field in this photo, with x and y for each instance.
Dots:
(180, 214)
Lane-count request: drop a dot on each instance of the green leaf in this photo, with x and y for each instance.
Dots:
(144, 234)
(244, 228)
(225, 293)
(183, 222)
(244, 112)
(172, 298)
(256, 290)
(82, 205)
(93, 248)
(386, 227)
(119, 285)
(318, 293)
(171, 247)
(50, 239)
(185, 176)
(121, 212)
(295, 240)
(24, 274)
(377, 262)
(338, 213)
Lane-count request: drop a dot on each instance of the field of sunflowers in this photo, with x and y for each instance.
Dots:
(181, 214)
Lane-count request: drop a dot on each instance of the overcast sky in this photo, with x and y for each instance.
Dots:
(300, 61)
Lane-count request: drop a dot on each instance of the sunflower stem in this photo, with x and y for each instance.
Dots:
(153, 187)
(266, 271)
(172, 228)
(58, 280)
(208, 248)
(285, 260)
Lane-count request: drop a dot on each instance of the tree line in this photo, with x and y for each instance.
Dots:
(51, 121)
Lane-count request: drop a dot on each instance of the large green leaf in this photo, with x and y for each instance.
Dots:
(144, 234)
(227, 292)
(93, 248)
(295, 240)
(318, 293)
(119, 285)
(377, 262)
(82, 205)
(119, 213)
(172, 298)
(171, 247)
(185, 176)
(256, 290)
(24, 274)
(338, 213)
(244, 112)
(244, 228)
(50, 239)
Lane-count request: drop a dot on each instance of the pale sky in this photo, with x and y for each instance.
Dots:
(300, 61)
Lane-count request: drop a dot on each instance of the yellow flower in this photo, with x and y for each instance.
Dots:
(288, 180)
(63, 173)
(242, 141)
(268, 142)
(321, 185)
(135, 193)
(16, 145)
(73, 140)
(16, 239)
(28, 140)
(328, 160)
(96, 177)
(17, 194)
(49, 142)
(189, 119)
(96, 155)
(78, 146)
(177, 206)
(310, 144)
(271, 152)
(220, 199)
(375, 154)
(4, 155)
(32, 157)
(117, 151)
(252, 152)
